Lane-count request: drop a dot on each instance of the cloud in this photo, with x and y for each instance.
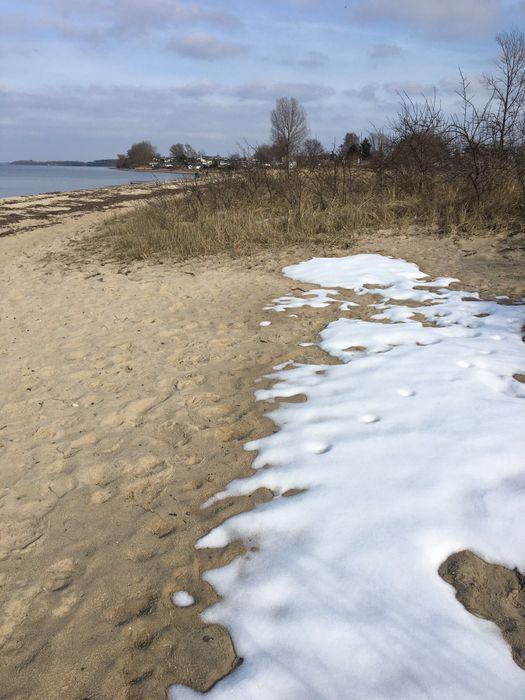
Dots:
(313, 59)
(131, 12)
(127, 12)
(449, 86)
(384, 52)
(205, 47)
(71, 30)
(106, 20)
(268, 90)
(366, 93)
(412, 88)
(439, 18)
(124, 114)
(305, 3)
(309, 60)
(197, 89)
(387, 93)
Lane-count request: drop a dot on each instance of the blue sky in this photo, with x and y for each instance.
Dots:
(86, 78)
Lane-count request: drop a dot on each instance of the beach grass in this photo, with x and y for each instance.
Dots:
(323, 207)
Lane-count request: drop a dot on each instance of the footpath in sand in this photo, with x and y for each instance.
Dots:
(127, 398)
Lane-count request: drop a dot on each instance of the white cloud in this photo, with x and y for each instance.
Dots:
(305, 3)
(199, 88)
(384, 52)
(142, 13)
(205, 47)
(366, 93)
(107, 20)
(268, 90)
(445, 18)
(313, 59)
(387, 93)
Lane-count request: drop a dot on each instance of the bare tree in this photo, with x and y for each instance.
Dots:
(349, 149)
(472, 137)
(266, 154)
(508, 86)
(183, 153)
(289, 126)
(381, 144)
(313, 149)
(140, 154)
(178, 153)
(420, 139)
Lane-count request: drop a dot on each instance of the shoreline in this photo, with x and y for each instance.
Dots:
(95, 189)
(27, 212)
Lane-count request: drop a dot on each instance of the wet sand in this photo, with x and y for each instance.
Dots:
(127, 399)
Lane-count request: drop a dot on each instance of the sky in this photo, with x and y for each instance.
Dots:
(84, 79)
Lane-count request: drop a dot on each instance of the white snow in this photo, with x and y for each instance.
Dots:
(182, 599)
(409, 450)
(315, 298)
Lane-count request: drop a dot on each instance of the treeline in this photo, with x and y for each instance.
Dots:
(144, 154)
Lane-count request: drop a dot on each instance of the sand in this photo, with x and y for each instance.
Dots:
(25, 213)
(127, 397)
(491, 592)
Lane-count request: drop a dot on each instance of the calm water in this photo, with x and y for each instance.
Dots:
(18, 180)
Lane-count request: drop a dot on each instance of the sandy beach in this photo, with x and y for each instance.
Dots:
(26, 213)
(128, 396)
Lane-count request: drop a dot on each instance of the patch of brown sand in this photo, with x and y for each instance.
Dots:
(492, 592)
(127, 399)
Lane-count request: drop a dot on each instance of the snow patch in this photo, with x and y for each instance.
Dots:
(342, 598)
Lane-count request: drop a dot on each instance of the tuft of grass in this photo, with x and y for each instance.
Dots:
(260, 209)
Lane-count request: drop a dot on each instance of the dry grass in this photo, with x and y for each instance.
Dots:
(324, 207)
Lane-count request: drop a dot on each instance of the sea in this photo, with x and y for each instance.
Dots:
(16, 180)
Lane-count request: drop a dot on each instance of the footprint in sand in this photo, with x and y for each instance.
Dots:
(102, 496)
(59, 575)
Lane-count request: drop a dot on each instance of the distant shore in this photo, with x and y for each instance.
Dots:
(96, 164)
(106, 163)
(102, 163)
